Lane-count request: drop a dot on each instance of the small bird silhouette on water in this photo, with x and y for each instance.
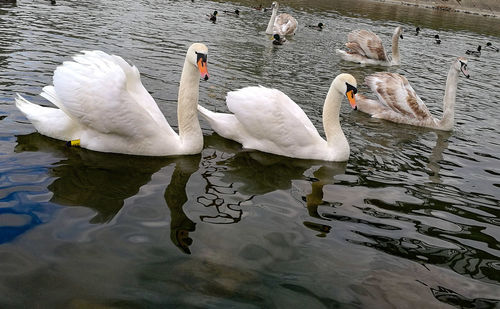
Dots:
(318, 27)
(236, 12)
(491, 47)
(438, 40)
(417, 30)
(213, 17)
(278, 40)
(476, 53)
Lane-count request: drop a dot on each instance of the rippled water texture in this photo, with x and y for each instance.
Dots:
(411, 220)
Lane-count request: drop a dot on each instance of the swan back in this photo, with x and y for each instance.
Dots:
(395, 92)
(366, 43)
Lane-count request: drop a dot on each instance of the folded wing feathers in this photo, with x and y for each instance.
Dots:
(394, 91)
(369, 42)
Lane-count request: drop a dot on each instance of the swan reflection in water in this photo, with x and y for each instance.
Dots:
(102, 181)
(231, 170)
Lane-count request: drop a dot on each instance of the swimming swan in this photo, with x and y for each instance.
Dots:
(283, 24)
(398, 102)
(366, 48)
(103, 106)
(266, 119)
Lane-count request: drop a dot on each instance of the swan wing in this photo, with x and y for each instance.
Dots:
(366, 43)
(269, 116)
(104, 93)
(285, 24)
(395, 92)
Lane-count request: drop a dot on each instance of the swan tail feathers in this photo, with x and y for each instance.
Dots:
(49, 93)
(48, 121)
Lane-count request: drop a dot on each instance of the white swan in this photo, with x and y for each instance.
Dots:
(268, 120)
(398, 102)
(366, 48)
(283, 24)
(103, 106)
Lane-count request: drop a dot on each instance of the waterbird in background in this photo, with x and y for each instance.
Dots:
(475, 53)
(282, 24)
(235, 12)
(103, 106)
(268, 120)
(213, 16)
(318, 27)
(437, 40)
(278, 40)
(417, 30)
(366, 47)
(398, 102)
(491, 47)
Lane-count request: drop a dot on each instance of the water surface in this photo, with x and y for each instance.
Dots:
(412, 219)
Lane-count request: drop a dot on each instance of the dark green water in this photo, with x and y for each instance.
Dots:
(410, 221)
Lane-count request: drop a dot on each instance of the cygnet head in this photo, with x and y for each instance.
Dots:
(275, 5)
(399, 32)
(197, 56)
(347, 85)
(460, 64)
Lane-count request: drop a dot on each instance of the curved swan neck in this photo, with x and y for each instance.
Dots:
(270, 25)
(395, 48)
(187, 114)
(331, 121)
(450, 94)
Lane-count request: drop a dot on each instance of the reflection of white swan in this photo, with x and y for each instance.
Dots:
(103, 106)
(366, 48)
(398, 102)
(283, 24)
(268, 120)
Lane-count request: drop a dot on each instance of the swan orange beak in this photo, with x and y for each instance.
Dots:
(350, 97)
(202, 66)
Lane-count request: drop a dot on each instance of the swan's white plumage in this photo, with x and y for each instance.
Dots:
(268, 120)
(101, 101)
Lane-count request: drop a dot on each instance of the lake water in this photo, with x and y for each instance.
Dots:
(412, 220)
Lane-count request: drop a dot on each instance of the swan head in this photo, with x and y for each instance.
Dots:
(347, 85)
(461, 66)
(398, 32)
(275, 6)
(197, 56)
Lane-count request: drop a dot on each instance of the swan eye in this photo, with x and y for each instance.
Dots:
(351, 87)
(202, 57)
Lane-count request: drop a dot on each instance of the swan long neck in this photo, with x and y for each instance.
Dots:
(187, 114)
(450, 94)
(331, 121)
(395, 48)
(270, 25)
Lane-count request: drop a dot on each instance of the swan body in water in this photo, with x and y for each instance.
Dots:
(282, 24)
(103, 106)
(398, 102)
(268, 120)
(366, 47)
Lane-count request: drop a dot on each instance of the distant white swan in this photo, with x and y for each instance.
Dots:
(365, 47)
(268, 120)
(398, 102)
(103, 106)
(283, 24)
